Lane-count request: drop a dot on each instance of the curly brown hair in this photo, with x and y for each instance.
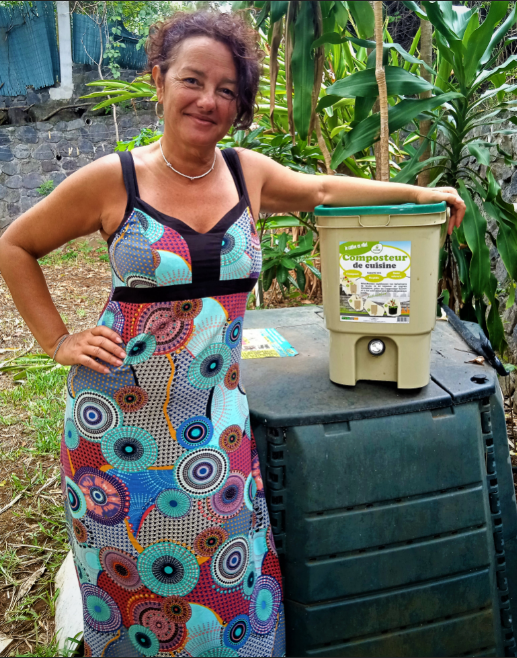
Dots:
(229, 29)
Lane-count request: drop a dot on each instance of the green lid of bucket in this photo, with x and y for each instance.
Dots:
(402, 209)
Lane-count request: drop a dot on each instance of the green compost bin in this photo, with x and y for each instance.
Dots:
(393, 511)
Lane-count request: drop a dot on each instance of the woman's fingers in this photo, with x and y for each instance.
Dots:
(100, 351)
(90, 347)
(107, 345)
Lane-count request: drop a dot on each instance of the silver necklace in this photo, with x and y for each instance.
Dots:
(179, 172)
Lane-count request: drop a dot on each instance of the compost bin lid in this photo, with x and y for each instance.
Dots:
(402, 209)
(293, 391)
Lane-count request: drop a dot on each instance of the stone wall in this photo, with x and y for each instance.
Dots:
(37, 152)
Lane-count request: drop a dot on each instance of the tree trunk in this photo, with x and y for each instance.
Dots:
(278, 29)
(426, 54)
(382, 162)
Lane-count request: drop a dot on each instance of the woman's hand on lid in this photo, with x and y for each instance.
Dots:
(92, 348)
(447, 194)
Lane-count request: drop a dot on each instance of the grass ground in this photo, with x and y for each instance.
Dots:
(33, 541)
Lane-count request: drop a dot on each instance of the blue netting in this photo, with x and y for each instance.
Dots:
(86, 43)
(28, 49)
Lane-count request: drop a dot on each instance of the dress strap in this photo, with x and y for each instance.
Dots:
(129, 175)
(231, 158)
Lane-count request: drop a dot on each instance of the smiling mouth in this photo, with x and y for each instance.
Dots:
(201, 119)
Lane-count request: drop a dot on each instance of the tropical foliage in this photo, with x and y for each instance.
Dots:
(319, 112)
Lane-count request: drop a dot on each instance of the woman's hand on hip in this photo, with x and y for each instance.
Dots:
(447, 194)
(85, 347)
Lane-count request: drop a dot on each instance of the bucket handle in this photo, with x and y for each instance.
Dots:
(373, 225)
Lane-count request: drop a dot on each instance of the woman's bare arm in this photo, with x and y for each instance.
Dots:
(284, 190)
(91, 199)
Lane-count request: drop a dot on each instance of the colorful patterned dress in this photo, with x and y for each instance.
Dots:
(163, 495)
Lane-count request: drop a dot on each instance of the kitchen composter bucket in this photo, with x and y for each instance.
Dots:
(380, 275)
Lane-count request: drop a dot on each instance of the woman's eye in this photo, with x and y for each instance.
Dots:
(191, 81)
(228, 92)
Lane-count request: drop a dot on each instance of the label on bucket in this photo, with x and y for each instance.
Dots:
(374, 281)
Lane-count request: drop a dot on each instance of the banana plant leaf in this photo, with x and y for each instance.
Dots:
(278, 10)
(363, 83)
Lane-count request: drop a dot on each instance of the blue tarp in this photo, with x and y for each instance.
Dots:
(28, 48)
(86, 42)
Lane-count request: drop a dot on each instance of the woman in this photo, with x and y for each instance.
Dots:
(164, 501)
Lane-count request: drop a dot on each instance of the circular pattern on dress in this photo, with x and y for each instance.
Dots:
(95, 414)
(139, 349)
(202, 472)
(131, 398)
(210, 366)
(76, 499)
(231, 379)
(187, 309)
(209, 540)
(230, 562)
(255, 240)
(264, 605)
(233, 246)
(71, 435)
(120, 567)
(250, 577)
(149, 227)
(168, 569)
(233, 333)
(177, 609)
(250, 491)
(80, 531)
(173, 503)
(159, 624)
(144, 640)
(107, 498)
(195, 432)
(134, 280)
(129, 449)
(237, 632)
(100, 611)
(231, 439)
(112, 317)
(87, 651)
(229, 500)
(170, 332)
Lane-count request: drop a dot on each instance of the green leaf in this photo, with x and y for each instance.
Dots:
(367, 132)
(281, 274)
(444, 20)
(362, 13)
(494, 322)
(493, 188)
(499, 34)
(362, 108)
(415, 8)
(480, 152)
(365, 43)
(267, 278)
(303, 69)
(363, 83)
(279, 222)
(506, 219)
(288, 263)
(474, 226)
(328, 37)
(461, 261)
(278, 9)
(264, 12)
(508, 65)
(282, 242)
(341, 14)
(300, 277)
(327, 101)
(481, 38)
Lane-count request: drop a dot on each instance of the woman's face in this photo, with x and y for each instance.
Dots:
(199, 91)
